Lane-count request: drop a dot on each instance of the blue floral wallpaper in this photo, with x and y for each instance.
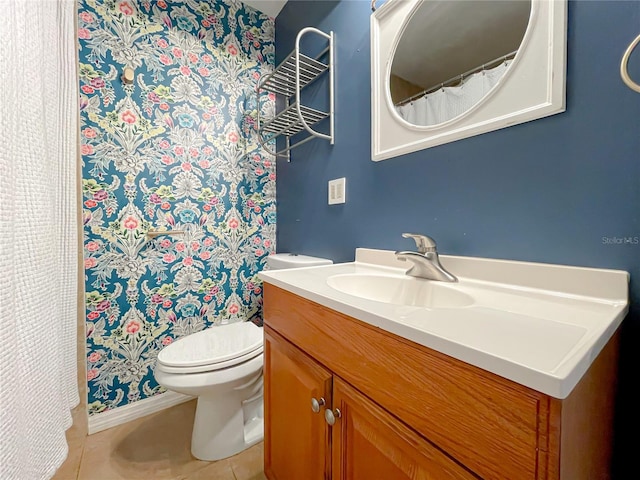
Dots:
(176, 150)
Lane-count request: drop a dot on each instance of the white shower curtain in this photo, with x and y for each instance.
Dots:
(38, 235)
(449, 102)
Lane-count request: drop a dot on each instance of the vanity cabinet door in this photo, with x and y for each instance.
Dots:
(369, 443)
(296, 437)
(494, 427)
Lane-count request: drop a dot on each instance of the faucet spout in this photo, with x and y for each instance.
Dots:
(426, 263)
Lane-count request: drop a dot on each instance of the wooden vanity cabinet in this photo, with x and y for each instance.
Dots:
(365, 442)
(370, 443)
(298, 445)
(405, 411)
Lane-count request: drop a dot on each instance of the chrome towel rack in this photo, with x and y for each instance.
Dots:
(288, 80)
(624, 73)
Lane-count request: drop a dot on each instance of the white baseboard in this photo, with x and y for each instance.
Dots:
(133, 411)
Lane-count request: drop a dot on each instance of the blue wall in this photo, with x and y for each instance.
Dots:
(544, 191)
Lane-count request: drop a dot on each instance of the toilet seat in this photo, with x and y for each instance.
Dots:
(212, 349)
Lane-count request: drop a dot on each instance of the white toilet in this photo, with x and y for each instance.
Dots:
(222, 366)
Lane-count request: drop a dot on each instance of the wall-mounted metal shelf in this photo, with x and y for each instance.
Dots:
(283, 79)
(288, 121)
(288, 79)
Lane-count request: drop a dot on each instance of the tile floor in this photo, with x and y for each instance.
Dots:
(155, 447)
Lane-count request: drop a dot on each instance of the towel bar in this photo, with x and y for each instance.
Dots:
(624, 73)
(158, 233)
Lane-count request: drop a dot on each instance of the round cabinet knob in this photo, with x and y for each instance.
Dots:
(330, 416)
(316, 404)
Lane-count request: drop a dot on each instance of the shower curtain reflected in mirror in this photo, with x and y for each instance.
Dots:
(447, 103)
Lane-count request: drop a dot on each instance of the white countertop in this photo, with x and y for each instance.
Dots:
(539, 325)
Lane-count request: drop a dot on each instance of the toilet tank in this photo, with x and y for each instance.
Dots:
(280, 261)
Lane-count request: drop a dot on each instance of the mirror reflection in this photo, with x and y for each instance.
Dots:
(452, 54)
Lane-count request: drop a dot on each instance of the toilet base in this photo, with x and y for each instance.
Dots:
(226, 425)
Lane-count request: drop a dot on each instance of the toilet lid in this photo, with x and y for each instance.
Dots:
(213, 345)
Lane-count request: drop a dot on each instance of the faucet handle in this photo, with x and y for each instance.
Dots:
(424, 243)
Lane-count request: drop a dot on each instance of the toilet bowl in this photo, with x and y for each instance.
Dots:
(222, 366)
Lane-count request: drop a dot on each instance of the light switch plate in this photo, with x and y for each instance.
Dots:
(337, 189)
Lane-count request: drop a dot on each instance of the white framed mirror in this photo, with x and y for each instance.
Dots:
(444, 70)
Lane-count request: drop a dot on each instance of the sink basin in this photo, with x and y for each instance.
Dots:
(401, 290)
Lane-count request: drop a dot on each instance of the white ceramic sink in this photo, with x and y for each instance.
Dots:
(537, 324)
(401, 290)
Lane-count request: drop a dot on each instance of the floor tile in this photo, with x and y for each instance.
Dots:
(76, 436)
(220, 470)
(156, 447)
(249, 465)
(69, 469)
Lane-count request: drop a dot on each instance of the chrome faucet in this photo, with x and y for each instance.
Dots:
(426, 263)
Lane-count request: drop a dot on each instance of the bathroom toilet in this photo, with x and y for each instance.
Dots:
(222, 366)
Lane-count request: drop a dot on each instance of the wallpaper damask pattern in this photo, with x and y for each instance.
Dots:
(176, 150)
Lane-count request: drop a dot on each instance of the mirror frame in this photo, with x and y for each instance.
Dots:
(533, 87)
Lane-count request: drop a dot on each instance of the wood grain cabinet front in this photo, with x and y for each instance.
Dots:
(297, 444)
(401, 410)
(370, 443)
(326, 429)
